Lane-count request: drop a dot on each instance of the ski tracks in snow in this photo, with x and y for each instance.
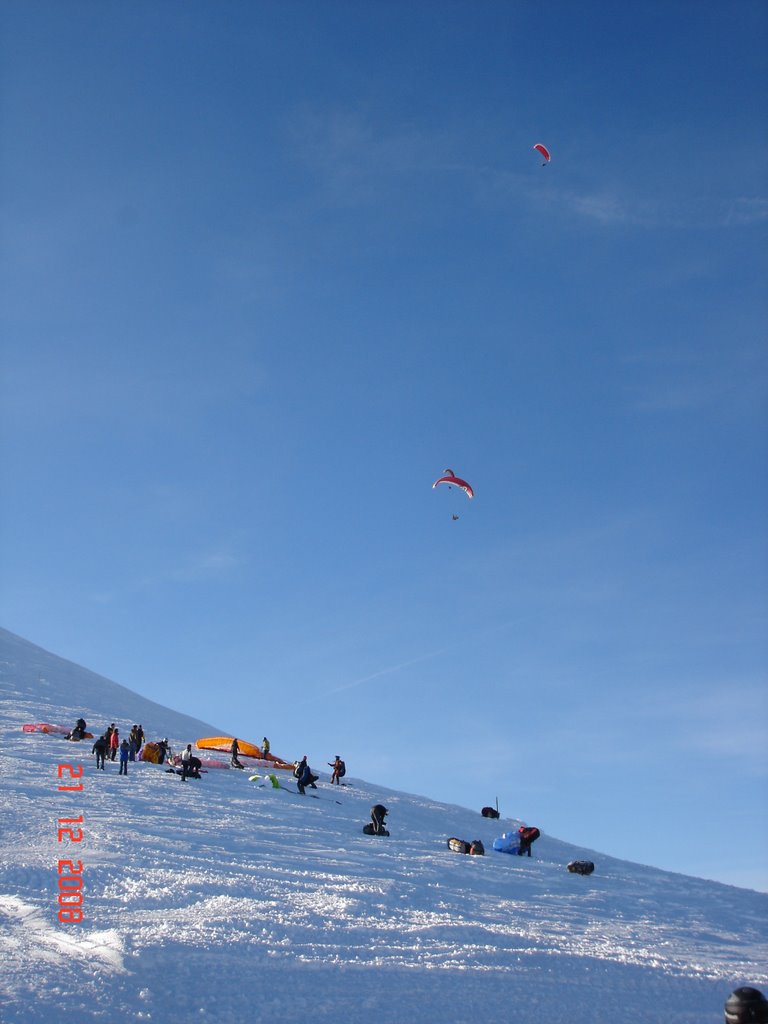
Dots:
(31, 943)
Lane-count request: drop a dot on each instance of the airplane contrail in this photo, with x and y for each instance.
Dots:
(422, 657)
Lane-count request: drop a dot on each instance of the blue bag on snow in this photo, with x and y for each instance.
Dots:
(508, 843)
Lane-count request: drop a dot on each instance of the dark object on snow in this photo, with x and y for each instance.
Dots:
(528, 836)
(746, 1006)
(376, 826)
(192, 773)
(190, 769)
(489, 812)
(78, 733)
(581, 867)
(460, 846)
(370, 830)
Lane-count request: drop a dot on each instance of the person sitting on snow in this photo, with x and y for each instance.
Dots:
(378, 814)
(78, 733)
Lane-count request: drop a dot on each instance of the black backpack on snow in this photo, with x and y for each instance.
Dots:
(581, 867)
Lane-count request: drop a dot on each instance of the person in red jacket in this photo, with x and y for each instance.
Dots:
(528, 836)
(114, 744)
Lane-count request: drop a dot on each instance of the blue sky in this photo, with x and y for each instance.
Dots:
(270, 268)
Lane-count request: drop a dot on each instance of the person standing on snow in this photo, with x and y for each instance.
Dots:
(339, 770)
(114, 744)
(265, 746)
(125, 751)
(235, 750)
(100, 750)
(186, 757)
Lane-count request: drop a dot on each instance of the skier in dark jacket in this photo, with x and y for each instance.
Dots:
(100, 750)
(235, 750)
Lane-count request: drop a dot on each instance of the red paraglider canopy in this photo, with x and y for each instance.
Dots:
(451, 479)
(541, 148)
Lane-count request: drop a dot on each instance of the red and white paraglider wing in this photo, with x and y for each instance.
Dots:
(541, 148)
(452, 480)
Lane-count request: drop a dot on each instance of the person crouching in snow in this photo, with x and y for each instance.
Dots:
(304, 775)
(528, 837)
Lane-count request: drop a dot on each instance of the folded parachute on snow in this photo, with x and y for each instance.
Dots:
(452, 480)
(542, 149)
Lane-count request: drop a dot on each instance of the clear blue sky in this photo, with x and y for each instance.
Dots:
(270, 268)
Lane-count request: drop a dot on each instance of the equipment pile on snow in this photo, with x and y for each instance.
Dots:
(581, 867)
(460, 846)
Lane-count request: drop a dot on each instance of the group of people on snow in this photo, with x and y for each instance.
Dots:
(109, 746)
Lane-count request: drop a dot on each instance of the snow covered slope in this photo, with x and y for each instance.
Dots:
(219, 900)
